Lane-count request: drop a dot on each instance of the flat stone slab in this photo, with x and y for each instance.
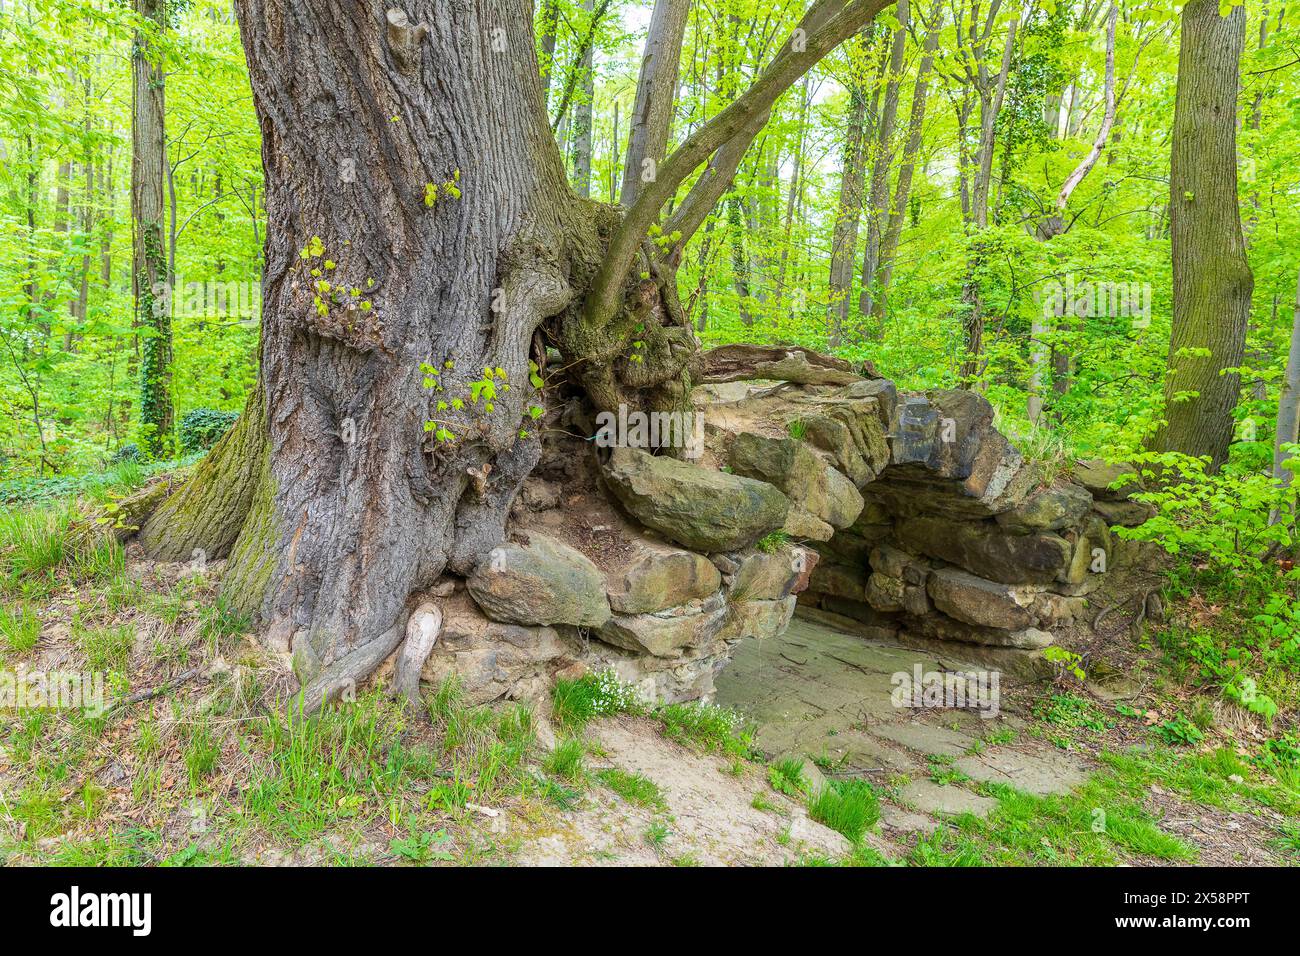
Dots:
(931, 797)
(1041, 772)
(905, 821)
(826, 694)
(927, 738)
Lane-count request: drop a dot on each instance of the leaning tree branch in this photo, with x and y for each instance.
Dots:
(1107, 123)
(826, 25)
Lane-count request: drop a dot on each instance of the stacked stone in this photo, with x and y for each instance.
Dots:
(912, 516)
(963, 540)
(665, 617)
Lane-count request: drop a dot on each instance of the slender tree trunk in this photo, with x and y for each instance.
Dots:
(1054, 226)
(652, 112)
(550, 26)
(1212, 278)
(582, 116)
(148, 176)
(991, 99)
(844, 238)
(906, 169)
(792, 194)
(878, 204)
(1288, 403)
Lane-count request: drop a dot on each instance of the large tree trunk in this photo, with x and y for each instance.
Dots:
(354, 479)
(446, 250)
(148, 174)
(1212, 278)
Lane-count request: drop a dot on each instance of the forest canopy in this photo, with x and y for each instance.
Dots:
(897, 113)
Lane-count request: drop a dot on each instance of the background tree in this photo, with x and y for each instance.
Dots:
(1211, 274)
(151, 279)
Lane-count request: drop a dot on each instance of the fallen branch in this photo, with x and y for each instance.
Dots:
(151, 693)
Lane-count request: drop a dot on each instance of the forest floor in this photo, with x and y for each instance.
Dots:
(804, 761)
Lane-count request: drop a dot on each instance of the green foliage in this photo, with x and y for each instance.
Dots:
(705, 725)
(774, 542)
(786, 776)
(1179, 731)
(202, 428)
(593, 695)
(849, 806)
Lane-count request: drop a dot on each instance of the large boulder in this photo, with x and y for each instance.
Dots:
(661, 578)
(665, 633)
(976, 601)
(1125, 513)
(541, 582)
(1097, 476)
(948, 459)
(840, 580)
(985, 550)
(804, 478)
(1050, 509)
(769, 577)
(757, 619)
(697, 507)
(489, 659)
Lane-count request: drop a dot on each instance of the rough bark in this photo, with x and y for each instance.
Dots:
(656, 91)
(1212, 278)
(878, 202)
(446, 250)
(582, 114)
(848, 211)
(458, 242)
(149, 275)
(907, 168)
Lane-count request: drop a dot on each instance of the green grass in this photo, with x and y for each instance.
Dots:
(1103, 823)
(325, 769)
(567, 761)
(35, 540)
(705, 725)
(849, 806)
(575, 702)
(635, 788)
(19, 627)
(106, 648)
(656, 834)
(222, 620)
(202, 753)
(944, 849)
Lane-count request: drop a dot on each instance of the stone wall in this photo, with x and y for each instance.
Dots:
(908, 517)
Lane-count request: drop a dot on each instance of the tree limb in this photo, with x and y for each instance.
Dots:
(825, 26)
